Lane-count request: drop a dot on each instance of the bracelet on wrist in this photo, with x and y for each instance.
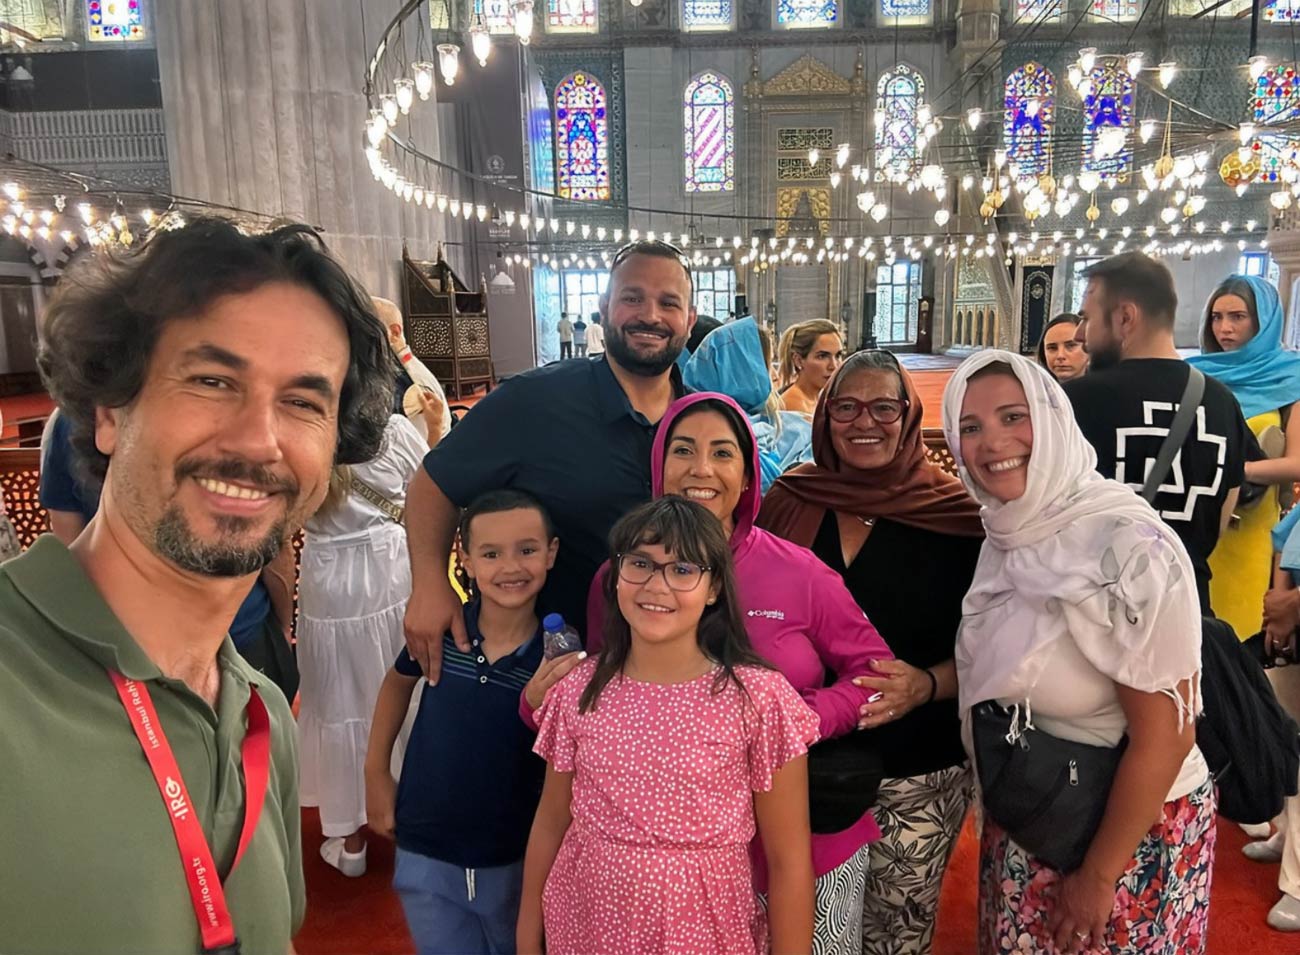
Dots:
(934, 685)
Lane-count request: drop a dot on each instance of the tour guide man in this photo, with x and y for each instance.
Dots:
(150, 793)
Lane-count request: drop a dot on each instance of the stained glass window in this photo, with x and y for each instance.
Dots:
(793, 14)
(571, 16)
(495, 14)
(1109, 104)
(905, 12)
(1116, 11)
(114, 20)
(1211, 9)
(710, 135)
(1029, 113)
(1276, 100)
(898, 99)
(1038, 11)
(1281, 11)
(707, 14)
(581, 138)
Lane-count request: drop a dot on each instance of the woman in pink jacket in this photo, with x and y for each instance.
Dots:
(802, 620)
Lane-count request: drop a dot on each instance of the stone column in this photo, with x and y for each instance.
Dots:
(264, 111)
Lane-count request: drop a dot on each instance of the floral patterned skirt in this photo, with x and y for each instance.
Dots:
(1162, 902)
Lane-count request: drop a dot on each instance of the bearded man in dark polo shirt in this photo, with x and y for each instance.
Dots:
(575, 434)
(150, 797)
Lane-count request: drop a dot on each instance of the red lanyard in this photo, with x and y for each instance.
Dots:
(206, 893)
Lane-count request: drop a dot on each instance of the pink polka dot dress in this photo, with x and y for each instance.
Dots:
(657, 856)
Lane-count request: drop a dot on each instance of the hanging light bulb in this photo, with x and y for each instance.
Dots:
(841, 155)
(423, 71)
(1168, 70)
(1133, 63)
(879, 211)
(1257, 65)
(466, 210)
(1119, 206)
(376, 128)
(1246, 132)
(1147, 129)
(814, 156)
(480, 39)
(388, 103)
(481, 212)
(521, 11)
(924, 114)
(1088, 58)
(405, 94)
(835, 180)
(941, 218)
(449, 62)
(973, 117)
(1075, 75)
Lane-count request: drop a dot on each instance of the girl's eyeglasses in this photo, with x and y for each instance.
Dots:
(846, 410)
(680, 575)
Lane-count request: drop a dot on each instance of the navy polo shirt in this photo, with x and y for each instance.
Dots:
(470, 780)
(567, 434)
(61, 491)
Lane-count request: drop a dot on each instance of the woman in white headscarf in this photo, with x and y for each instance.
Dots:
(1083, 618)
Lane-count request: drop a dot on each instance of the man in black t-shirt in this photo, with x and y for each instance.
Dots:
(1128, 399)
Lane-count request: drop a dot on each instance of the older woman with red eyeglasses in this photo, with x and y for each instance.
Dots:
(905, 537)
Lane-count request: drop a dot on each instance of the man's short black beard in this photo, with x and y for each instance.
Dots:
(616, 347)
(176, 541)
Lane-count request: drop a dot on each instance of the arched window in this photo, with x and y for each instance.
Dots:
(496, 15)
(1038, 11)
(581, 138)
(707, 15)
(710, 134)
(1276, 99)
(115, 20)
(793, 14)
(1108, 105)
(1028, 117)
(1116, 11)
(898, 100)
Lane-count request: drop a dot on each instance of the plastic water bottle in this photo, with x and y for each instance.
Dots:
(558, 638)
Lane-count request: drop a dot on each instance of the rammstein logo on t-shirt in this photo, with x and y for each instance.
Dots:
(1175, 482)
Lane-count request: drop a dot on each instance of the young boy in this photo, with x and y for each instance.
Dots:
(470, 782)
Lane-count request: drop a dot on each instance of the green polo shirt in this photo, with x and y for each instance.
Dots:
(88, 860)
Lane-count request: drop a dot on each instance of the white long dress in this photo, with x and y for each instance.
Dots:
(354, 583)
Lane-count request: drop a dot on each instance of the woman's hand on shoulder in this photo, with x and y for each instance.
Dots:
(902, 688)
(548, 674)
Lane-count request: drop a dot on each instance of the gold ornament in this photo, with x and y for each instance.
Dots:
(986, 210)
(1047, 184)
(1164, 166)
(1234, 172)
(996, 198)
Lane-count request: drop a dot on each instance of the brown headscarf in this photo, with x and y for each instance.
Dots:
(909, 489)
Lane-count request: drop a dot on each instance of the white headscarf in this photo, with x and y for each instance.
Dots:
(1076, 555)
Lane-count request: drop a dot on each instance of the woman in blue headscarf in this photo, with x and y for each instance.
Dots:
(730, 361)
(1241, 345)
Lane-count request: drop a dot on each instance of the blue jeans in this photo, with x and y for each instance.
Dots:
(455, 911)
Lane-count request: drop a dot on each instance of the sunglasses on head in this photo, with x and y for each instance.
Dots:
(658, 247)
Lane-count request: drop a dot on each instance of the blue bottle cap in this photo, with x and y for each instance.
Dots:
(553, 622)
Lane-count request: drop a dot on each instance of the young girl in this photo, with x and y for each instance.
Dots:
(663, 755)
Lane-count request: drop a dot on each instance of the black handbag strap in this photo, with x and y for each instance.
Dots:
(1178, 432)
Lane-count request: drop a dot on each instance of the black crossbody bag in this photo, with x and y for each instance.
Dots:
(1048, 793)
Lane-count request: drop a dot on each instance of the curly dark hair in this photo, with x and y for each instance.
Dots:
(107, 313)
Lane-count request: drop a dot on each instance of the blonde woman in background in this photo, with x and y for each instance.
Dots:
(808, 354)
(354, 582)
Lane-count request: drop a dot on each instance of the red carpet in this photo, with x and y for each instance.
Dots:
(353, 916)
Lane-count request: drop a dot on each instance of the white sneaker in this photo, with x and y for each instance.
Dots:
(1285, 916)
(351, 864)
(1256, 830)
(1266, 850)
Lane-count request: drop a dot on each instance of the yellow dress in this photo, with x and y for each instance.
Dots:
(1242, 561)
